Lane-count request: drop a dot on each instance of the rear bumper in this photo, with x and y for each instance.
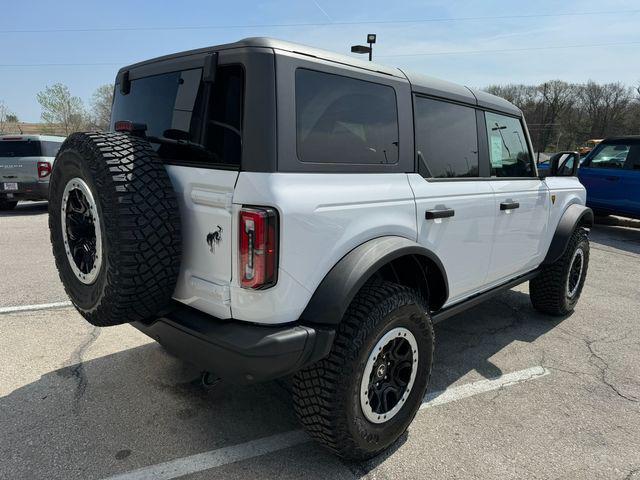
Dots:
(237, 351)
(26, 191)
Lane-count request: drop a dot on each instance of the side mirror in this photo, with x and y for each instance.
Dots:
(564, 164)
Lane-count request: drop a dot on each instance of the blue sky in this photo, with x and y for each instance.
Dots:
(396, 41)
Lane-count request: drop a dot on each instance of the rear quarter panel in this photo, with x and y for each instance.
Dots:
(322, 217)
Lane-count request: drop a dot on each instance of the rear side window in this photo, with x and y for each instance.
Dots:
(50, 149)
(20, 148)
(508, 150)
(446, 139)
(174, 105)
(345, 120)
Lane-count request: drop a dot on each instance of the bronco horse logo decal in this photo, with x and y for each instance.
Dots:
(214, 238)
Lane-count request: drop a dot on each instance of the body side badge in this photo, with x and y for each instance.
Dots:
(214, 238)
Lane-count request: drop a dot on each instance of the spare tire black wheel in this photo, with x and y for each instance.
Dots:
(115, 227)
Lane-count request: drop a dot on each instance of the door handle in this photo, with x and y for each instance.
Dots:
(612, 179)
(509, 205)
(440, 213)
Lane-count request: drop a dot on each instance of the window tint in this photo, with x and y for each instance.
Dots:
(172, 105)
(508, 147)
(446, 139)
(224, 128)
(50, 149)
(610, 156)
(344, 120)
(18, 148)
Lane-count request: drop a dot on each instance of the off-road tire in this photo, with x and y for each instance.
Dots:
(548, 291)
(140, 225)
(326, 394)
(7, 204)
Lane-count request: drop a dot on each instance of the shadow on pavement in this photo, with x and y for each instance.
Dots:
(26, 208)
(140, 406)
(622, 237)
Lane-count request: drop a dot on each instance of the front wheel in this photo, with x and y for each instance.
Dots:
(556, 290)
(363, 396)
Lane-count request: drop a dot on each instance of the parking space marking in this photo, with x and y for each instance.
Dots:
(481, 386)
(255, 448)
(29, 308)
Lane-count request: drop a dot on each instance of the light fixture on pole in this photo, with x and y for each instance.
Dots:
(371, 39)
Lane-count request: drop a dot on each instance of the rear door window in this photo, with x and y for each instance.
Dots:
(345, 120)
(174, 106)
(508, 149)
(446, 139)
(20, 148)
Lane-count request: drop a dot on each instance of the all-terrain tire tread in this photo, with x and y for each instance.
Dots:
(316, 388)
(140, 217)
(547, 290)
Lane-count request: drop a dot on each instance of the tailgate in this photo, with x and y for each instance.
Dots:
(205, 199)
(19, 169)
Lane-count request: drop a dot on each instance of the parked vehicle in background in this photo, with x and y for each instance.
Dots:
(611, 175)
(25, 167)
(589, 146)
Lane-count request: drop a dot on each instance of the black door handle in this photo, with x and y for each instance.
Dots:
(441, 213)
(509, 205)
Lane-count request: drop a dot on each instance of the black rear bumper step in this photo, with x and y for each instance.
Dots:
(238, 351)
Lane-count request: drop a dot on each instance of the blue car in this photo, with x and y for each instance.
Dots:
(611, 175)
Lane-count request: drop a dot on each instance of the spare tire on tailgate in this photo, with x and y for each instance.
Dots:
(115, 227)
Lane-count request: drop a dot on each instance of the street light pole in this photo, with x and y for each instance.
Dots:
(371, 39)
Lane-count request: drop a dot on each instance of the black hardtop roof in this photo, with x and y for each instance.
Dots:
(420, 83)
(621, 138)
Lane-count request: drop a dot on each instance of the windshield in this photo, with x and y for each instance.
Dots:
(22, 148)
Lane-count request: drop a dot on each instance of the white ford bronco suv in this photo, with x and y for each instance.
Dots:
(264, 209)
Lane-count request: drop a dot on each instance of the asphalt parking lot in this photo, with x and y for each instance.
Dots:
(513, 393)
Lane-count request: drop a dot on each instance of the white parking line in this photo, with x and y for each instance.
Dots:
(244, 451)
(28, 308)
(481, 386)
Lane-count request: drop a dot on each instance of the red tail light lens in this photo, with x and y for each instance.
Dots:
(44, 169)
(258, 247)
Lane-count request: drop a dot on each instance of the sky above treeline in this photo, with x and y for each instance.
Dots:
(82, 44)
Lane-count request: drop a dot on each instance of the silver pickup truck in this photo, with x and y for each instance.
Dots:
(25, 167)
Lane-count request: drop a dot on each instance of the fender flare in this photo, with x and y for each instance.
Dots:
(338, 288)
(572, 217)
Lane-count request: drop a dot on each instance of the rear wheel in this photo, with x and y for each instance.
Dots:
(115, 229)
(556, 290)
(7, 204)
(363, 396)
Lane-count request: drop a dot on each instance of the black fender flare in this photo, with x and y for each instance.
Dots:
(572, 217)
(338, 288)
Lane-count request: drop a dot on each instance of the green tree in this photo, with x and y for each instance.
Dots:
(101, 106)
(62, 110)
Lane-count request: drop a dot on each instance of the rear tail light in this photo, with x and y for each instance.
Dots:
(258, 247)
(44, 169)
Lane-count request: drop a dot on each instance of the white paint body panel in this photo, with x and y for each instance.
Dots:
(519, 234)
(324, 216)
(205, 201)
(462, 242)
